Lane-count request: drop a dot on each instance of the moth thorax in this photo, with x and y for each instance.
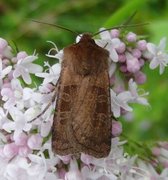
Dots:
(86, 37)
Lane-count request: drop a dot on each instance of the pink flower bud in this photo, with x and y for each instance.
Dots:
(141, 62)
(115, 33)
(132, 63)
(24, 151)
(14, 60)
(6, 62)
(21, 139)
(121, 48)
(140, 77)
(136, 53)
(141, 45)
(121, 58)
(10, 150)
(35, 142)
(116, 128)
(131, 37)
(123, 68)
(3, 44)
(21, 55)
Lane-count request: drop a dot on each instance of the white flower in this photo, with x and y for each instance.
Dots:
(110, 44)
(134, 92)
(52, 75)
(120, 101)
(25, 66)
(58, 54)
(4, 72)
(13, 95)
(20, 121)
(160, 58)
(150, 173)
(37, 166)
(31, 98)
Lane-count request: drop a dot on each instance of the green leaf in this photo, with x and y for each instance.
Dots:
(124, 12)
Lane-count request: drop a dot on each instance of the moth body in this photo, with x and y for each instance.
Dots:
(82, 122)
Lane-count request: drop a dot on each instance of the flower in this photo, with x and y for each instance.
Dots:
(115, 33)
(12, 95)
(35, 142)
(58, 55)
(150, 173)
(10, 150)
(120, 101)
(20, 121)
(52, 75)
(132, 62)
(4, 72)
(74, 172)
(111, 44)
(25, 66)
(160, 57)
(135, 96)
(116, 128)
(131, 37)
(141, 45)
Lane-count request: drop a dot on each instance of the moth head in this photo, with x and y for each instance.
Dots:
(86, 37)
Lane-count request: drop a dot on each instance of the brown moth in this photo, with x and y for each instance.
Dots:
(82, 121)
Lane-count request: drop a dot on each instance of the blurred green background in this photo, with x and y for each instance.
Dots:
(88, 16)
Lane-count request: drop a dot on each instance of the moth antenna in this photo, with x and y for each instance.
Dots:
(130, 18)
(55, 25)
(118, 27)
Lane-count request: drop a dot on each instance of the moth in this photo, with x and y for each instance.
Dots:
(82, 121)
(83, 118)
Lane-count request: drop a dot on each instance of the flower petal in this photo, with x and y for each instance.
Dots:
(162, 44)
(26, 77)
(154, 63)
(104, 34)
(34, 68)
(113, 55)
(152, 48)
(28, 59)
(9, 126)
(6, 71)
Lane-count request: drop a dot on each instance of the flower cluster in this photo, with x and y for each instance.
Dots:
(25, 137)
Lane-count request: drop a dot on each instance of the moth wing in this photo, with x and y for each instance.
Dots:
(60, 135)
(91, 122)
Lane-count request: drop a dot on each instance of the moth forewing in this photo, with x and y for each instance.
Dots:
(82, 122)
